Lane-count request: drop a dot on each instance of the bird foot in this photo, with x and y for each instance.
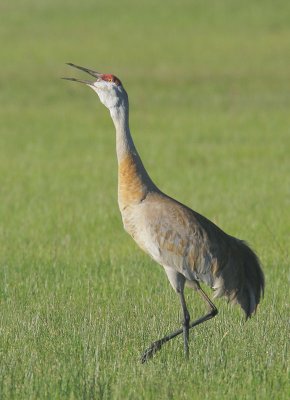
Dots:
(149, 353)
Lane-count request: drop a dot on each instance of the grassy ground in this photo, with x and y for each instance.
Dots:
(209, 84)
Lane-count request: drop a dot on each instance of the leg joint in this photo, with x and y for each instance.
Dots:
(214, 311)
(186, 318)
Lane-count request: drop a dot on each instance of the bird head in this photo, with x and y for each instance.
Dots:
(107, 86)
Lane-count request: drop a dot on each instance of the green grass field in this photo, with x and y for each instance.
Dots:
(209, 85)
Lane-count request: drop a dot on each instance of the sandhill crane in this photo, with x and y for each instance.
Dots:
(189, 247)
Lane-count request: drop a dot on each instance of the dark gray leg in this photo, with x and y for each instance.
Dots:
(158, 344)
(186, 320)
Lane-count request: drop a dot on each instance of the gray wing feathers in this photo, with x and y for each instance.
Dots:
(199, 250)
(241, 279)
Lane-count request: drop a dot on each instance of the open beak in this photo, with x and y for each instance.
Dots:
(89, 71)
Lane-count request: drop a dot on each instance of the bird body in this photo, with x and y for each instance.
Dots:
(190, 247)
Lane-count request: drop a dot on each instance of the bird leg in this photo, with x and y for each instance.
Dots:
(156, 346)
(185, 324)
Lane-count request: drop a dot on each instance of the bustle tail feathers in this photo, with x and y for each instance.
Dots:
(241, 278)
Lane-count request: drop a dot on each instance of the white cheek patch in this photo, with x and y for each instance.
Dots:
(109, 94)
(101, 85)
(105, 96)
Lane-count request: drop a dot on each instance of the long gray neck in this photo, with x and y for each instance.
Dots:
(124, 141)
(125, 146)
